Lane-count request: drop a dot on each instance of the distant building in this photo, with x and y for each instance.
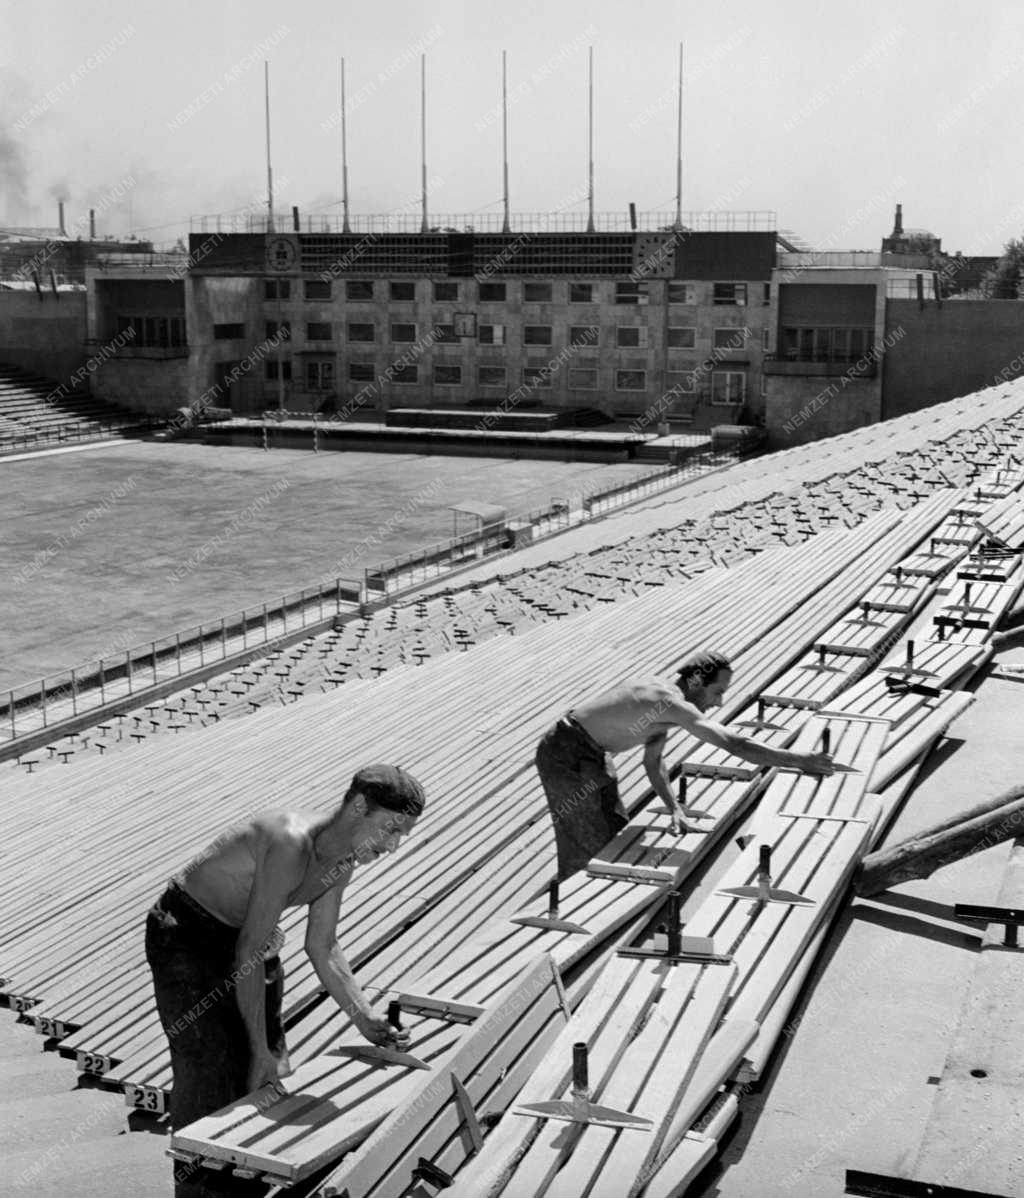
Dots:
(910, 241)
(627, 322)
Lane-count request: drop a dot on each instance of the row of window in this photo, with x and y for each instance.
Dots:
(583, 336)
(492, 292)
(153, 332)
(842, 344)
(727, 386)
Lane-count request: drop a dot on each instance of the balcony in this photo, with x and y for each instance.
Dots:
(858, 368)
(153, 352)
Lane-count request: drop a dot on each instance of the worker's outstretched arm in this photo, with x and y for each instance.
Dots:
(694, 721)
(336, 974)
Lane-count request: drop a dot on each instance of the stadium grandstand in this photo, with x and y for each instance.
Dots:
(865, 587)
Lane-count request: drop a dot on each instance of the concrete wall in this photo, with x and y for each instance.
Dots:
(811, 303)
(802, 409)
(801, 406)
(211, 300)
(155, 386)
(949, 350)
(147, 379)
(45, 336)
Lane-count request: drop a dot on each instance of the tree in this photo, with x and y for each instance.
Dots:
(1004, 282)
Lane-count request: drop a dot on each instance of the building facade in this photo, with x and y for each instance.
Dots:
(825, 367)
(643, 325)
(692, 328)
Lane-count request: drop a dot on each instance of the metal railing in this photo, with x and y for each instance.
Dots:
(747, 220)
(406, 571)
(146, 260)
(74, 432)
(93, 685)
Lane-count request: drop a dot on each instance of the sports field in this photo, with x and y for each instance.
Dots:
(115, 546)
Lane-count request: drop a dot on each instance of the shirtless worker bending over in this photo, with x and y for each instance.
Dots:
(574, 756)
(212, 941)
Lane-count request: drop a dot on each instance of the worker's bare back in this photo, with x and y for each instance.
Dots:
(221, 877)
(633, 713)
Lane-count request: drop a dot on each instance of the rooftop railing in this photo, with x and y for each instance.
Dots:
(745, 221)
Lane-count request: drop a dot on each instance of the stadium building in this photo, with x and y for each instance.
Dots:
(694, 327)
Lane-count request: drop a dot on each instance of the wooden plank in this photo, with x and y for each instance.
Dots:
(719, 1060)
(515, 1031)
(676, 1174)
(599, 1022)
(677, 1054)
(543, 1168)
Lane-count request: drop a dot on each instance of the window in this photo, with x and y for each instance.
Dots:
(631, 293)
(537, 376)
(402, 292)
(729, 338)
(491, 376)
(582, 380)
(221, 332)
(537, 293)
(681, 336)
(492, 293)
(270, 365)
(728, 386)
(444, 334)
(537, 334)
(681, 293)
(848, 345)
(403, 332)
(584, 335)
(447, 376)
(631, 337)
(283, 327)
(318, 289)
(359, 289)
(319, 375)
(766, 339)
(277, 289)
(405, 374)
(361, 332)
(446, 293)
(318, 331)
(153, 332)
(680, 382)
(631, 380)
(361, 372)
(581, 293)
(767, 294)
(730, 293)
(492, 334)
(825, 344)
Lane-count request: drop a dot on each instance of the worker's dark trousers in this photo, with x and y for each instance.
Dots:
(582, 792)
(192, 956)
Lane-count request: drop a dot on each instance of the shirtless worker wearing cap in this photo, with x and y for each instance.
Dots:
(574, 756)
(212, 943)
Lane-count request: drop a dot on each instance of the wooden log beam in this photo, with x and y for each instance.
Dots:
(981, 826)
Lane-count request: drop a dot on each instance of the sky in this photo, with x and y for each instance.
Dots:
(824, 114)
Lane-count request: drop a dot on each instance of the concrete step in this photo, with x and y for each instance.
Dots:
(58, 1139)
